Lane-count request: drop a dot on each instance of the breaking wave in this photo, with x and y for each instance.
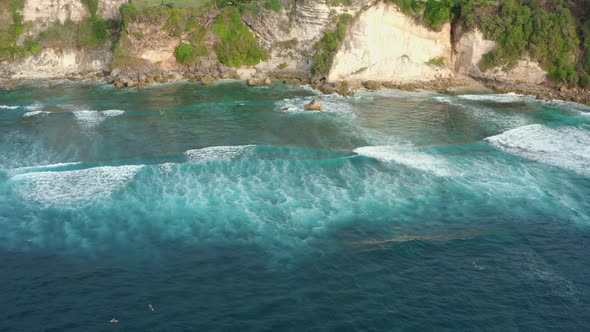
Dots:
(566, 147)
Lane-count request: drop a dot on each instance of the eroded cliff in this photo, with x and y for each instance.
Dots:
(378, 43)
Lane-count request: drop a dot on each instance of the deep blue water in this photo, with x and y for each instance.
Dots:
(229, 208)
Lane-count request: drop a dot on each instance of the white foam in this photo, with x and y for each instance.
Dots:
(73, 186)
(166, 168)
(218, 153)
(41, 167)
(331, 104)
(406, 155)
(503, 120)
(36, 106)
(33, 113)
(497, 98)
(7, 107)
(566, 147)
(89, 118)
(113, 112)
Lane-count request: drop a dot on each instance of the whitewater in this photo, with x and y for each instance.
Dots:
(231, 208)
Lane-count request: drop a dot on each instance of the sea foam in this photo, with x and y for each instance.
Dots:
(90, 118)
(218, 153)
(407, 156)
(566, 147)
(73, 186)
(497, 98)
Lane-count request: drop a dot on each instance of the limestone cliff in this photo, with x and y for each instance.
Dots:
(381, 44)
(39, 15)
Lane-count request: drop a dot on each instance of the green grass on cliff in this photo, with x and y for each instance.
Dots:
(237, 45)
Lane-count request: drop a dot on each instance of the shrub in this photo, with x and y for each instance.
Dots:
(184, 53)
(237, 45)
(128, 13)
(439, 62)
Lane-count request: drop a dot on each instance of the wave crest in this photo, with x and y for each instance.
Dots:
(406, 156)
(218, 153)
(566, 147)
(73, 186)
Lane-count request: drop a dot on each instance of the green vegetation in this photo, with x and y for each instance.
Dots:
(283, 65)
(128, 13)
(10, 31)
(273, 5)
(439, 62)
(543, 30)
(175, 22)
(237, 45)
(326, 48)
(141, 4)
(184, 53)
(340, 2)
(91, 5)
(548, 37)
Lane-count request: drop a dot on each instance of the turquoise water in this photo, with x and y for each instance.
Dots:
(230, 208)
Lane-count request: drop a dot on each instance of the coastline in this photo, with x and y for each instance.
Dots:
(444, 86)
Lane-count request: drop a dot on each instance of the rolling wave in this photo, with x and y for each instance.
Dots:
(565, 147)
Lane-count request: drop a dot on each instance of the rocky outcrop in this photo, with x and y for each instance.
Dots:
(383, 44)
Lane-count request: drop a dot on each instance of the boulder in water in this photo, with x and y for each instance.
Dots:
(314, 105)
(253, 82)
(267, 81)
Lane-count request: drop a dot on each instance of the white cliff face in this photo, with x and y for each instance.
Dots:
(470, 50)
(305, 22)
(49, 11)
(56, 62)
(59, 63)
(383, 44)
(109, 9)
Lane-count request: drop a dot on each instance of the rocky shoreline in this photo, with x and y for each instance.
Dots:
(134, 79)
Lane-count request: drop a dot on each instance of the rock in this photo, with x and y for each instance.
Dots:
(93, 80)
(253, 82)
(372, 85)
(222, 68)
(115, 72)
(207, 80)
(131, 84)
(52, 84)
(314, 105)
(267, 81)
(297, 84)
(119, 85)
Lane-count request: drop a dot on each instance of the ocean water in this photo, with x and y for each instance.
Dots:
(229, 208)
